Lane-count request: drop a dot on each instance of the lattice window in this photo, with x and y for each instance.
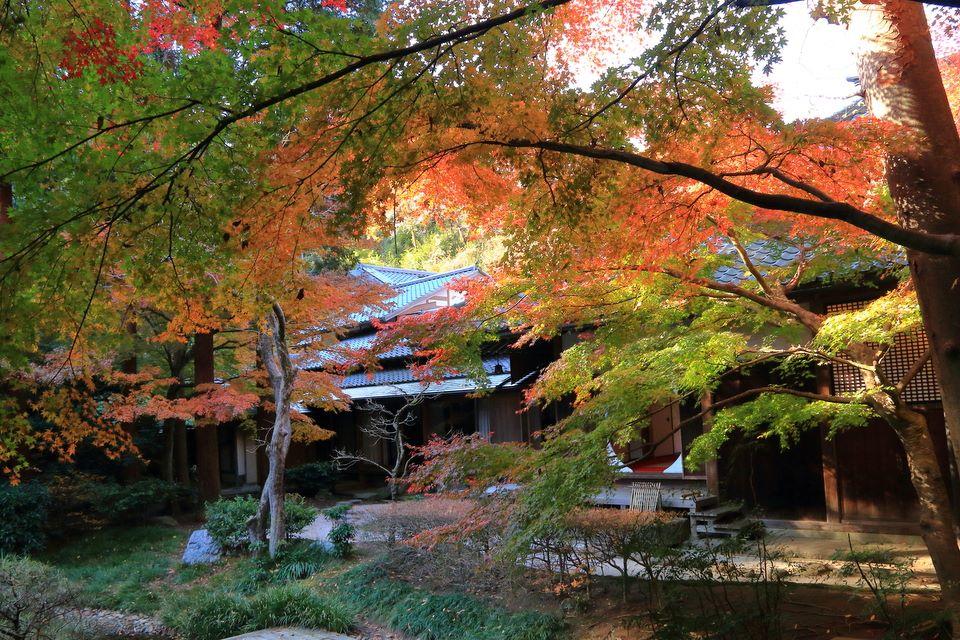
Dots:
(906, 350)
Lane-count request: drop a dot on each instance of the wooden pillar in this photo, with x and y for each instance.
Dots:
(208, 448)
(828, 455)
(710, 468)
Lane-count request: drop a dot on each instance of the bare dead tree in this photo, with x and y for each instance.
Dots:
(274, 352)
(387, 425)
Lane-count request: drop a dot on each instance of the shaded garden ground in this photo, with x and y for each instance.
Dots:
(394, 592)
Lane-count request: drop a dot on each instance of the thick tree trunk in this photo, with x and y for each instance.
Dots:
(6, 201)
(132, 469)
(170, 426)
(208, 448)
(902, 84)
(181, 463)
(166, 467)
(936, 514)
(272, 345)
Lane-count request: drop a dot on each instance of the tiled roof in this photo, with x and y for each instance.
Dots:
(388, 275)
(769, 254)
(397, 376)
(410, 286)
(412, 290)
(763, 253)
(854, 110)
(335, 354)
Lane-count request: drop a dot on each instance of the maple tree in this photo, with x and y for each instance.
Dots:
(199, 150)
(204, 265)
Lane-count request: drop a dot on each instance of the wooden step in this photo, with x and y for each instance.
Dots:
(719, 512)
(733, 525)
(702, 503)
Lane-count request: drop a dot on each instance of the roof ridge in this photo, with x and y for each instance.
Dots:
(436, 276)
(384, 267)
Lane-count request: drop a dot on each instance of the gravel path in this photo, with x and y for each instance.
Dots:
(358, 516)
(103, 622)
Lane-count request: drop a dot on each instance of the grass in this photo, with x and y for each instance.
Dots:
(368, 590)
(137, 570)
(116, 567)
(219, 614)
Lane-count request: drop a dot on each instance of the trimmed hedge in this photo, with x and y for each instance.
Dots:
(431, 616)
(84, 501)
(23, 517)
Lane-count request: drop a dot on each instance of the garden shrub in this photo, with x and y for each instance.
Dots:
(227, 519)
(32, 599)
(431, 616)
(312, 478)
(732, 589)
(123, 504)
(341, 535)
(887, 575)
(406, 519)
(83, 501)
(216, 615)
(23, 515)
(623, 538)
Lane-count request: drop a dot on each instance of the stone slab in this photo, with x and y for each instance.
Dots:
(292, 633)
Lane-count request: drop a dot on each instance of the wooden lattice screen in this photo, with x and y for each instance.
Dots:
(906, 350)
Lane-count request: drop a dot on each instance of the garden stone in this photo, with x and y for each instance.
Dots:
(201, 549)
(323, 545)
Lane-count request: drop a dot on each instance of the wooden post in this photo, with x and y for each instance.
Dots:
(710, 468)
(828, 455)
(208, 447)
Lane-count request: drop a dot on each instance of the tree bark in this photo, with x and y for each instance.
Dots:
(171, 459)
(207, 446)
(936, 513)
(181, 464)
(272, 344)
(132, 469)
(6, 201)
(902, 84)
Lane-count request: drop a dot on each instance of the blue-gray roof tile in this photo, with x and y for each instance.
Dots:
(397, 376)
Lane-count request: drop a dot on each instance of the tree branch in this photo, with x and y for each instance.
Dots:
(934, 243)
(914, 370)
